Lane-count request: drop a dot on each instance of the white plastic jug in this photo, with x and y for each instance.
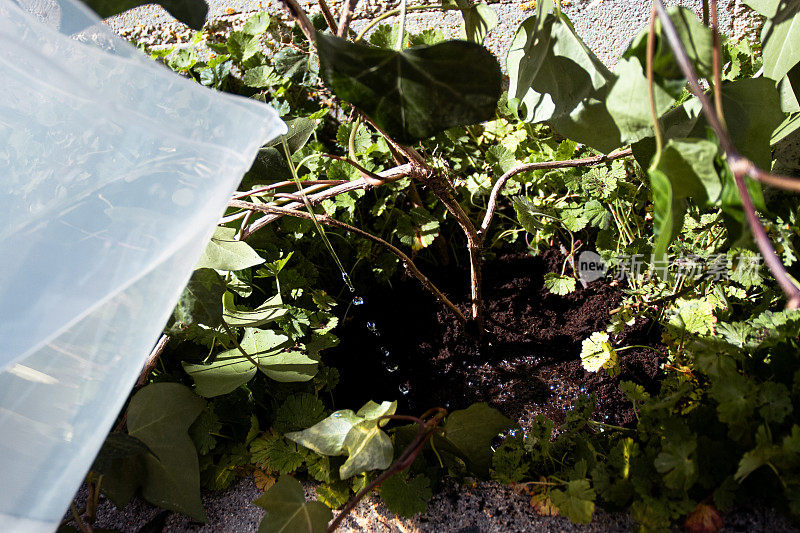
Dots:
(113, 173)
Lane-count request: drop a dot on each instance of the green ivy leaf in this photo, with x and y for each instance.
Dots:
(479, 20)
(159, 415)
(368, 448)
(118, 446)
(684, 170)
(780, 37)
(287, 509)
(406, 497)
(697, 41)
(201, 300)
(576, 502)
(357, 435)
(414, 93)
(226, 252)
(190, 12)
(270, 310)
(471, 432)
(558, 79)
(231, 368)
(628, 101)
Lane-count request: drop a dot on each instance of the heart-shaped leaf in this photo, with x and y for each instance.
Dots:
(270, 310)
(471, 432)
(173, 478)
(288, 511)
(201, 300)
(357, 435)
(232, 369)
(226, 252)
(414, 93)
(190, 12)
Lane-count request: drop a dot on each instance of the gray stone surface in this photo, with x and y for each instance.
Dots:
(606, 25)
(484, 508)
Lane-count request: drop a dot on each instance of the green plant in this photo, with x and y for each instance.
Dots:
(250, 329)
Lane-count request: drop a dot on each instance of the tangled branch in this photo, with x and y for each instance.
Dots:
(739, 165)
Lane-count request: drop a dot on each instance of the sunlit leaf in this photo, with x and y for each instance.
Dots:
(226, 252)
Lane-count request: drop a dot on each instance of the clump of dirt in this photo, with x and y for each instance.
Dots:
(529, 364)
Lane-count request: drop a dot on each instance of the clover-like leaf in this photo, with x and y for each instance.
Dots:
(288, 511)
(559, 284)
(576, 502)
(414, 93)
(597, 353)
(406, 497)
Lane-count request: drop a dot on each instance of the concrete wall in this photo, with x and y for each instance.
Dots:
(605, 25)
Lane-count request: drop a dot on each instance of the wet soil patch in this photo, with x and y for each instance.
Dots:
(400, 343)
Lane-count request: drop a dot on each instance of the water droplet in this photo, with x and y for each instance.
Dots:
(512, 432)
(386, 353)
(391, 367)
(372, 328)
(470, 383)
(358, 300)
(337, 414)
(404, 388)
(346, 279)
(552, 387)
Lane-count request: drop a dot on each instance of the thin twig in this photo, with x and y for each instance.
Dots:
(85, 528)
(426, 430)
(739, 165)
(273, 186)
(391, 174)
(152, 359)
(299, 15)
(716, 63)
(324, 219)
(345, 17)
(651, 47)
(541, 165)
(326, 12)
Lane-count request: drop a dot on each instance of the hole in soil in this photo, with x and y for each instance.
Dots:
(529, 366)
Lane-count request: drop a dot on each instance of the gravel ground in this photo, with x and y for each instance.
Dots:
(606, 25)
(486, 508)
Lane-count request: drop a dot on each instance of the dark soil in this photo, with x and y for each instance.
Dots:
(529, 364)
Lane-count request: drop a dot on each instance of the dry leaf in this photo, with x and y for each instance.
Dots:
(704, 519)
(542, 505)
(263, 480)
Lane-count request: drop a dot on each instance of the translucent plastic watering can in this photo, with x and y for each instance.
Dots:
(113, 172)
